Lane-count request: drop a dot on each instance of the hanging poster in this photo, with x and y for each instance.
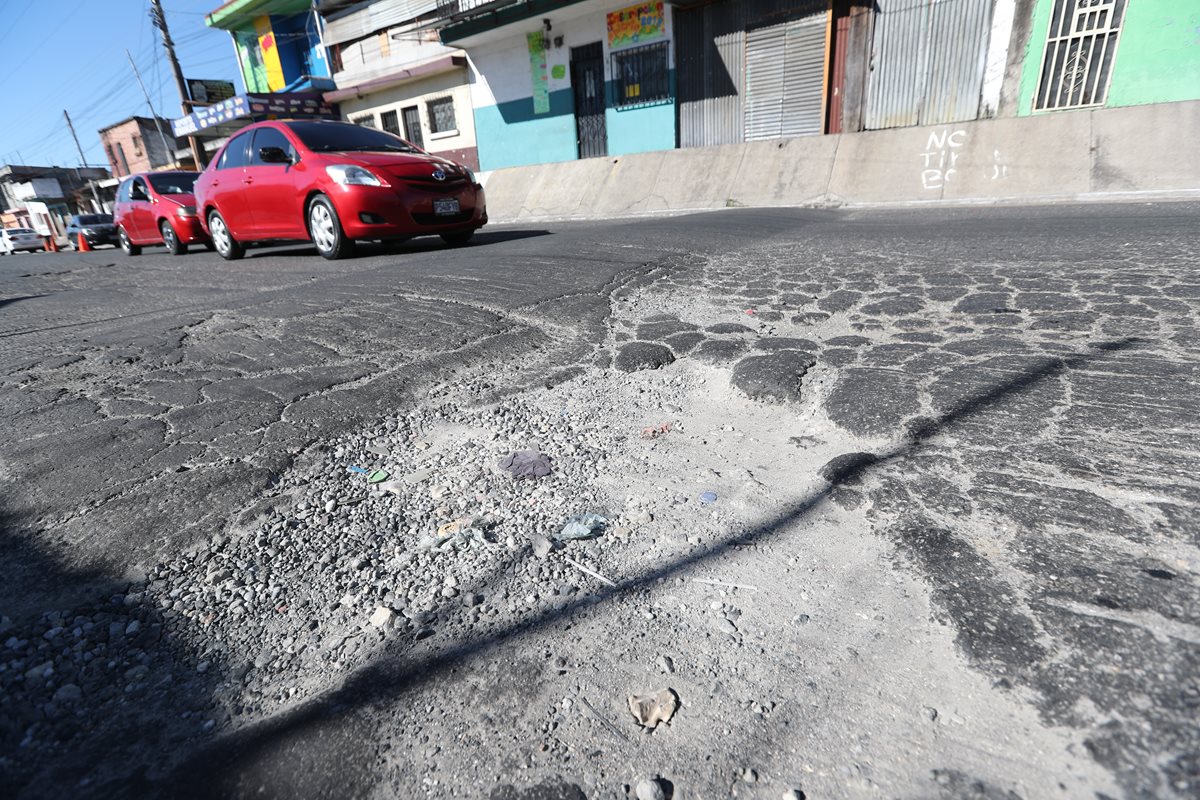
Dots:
(537, 67)
(636, 24)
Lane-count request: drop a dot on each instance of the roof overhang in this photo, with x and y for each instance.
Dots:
(466, 28)
(240, 14)
(399, 78)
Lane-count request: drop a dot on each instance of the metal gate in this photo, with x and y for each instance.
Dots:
(785, 77)
(927, 62)
(587, 81)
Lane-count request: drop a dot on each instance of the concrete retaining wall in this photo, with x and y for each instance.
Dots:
(1141, 151)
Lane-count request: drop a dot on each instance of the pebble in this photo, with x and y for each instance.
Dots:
(383, 617)
(67, 693)
(750, 776)
(331, 506)
(648, 789)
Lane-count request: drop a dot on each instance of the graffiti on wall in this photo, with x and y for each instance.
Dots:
(636, 24)
(537, 68)
(941, 155)
(939, 161)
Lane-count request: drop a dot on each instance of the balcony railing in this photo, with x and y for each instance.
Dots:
(463, 9)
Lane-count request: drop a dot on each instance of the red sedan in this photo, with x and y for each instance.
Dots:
(158, 208)
(333, 183)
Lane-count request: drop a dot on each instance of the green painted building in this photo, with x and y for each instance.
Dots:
(1110, 53)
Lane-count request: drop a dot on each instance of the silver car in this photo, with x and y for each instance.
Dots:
(15, 239)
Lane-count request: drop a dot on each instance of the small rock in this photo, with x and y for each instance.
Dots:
(331, 506)
(133, 627)
(383, 617)
(68, 693)
(750, 776)
(666, 664)
(541, 545)
(649, 790)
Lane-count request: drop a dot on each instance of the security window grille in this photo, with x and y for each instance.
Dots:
(441, 115)
(1081, 46)
(640, 75)
(367, 122)
(390, 122)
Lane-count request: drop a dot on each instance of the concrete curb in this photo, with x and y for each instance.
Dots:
(1140, 153)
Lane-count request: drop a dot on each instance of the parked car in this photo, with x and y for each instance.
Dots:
(158, 208)
(333, 183)
(96, 229)
(13, 240)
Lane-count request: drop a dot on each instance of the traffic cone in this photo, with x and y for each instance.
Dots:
(84, 247)
(51, 244)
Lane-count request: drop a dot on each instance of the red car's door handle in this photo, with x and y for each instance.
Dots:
(216, 183)
(247, 180)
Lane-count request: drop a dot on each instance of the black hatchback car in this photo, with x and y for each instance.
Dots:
(96, 228)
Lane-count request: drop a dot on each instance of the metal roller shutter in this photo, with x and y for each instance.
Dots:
(785, 79)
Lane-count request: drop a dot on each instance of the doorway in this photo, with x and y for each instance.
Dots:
(412, 126)
(587, 82)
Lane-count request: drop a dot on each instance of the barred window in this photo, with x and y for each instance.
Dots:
(641, 75)
(1081, 45)
(367, 121)
(441, 115)
(390, 122)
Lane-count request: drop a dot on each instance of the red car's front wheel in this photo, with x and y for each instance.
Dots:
(326, 230)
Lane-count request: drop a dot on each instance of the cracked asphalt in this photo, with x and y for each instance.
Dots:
(999, 416)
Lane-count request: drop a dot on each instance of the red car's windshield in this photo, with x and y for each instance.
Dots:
(173, 182)
(332, 137)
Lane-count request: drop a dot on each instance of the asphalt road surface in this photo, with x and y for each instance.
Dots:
(991, 463)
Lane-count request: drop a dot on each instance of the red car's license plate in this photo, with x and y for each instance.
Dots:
(445, 207)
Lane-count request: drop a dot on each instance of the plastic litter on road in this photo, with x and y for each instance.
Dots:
(708, 498)
(582, 526)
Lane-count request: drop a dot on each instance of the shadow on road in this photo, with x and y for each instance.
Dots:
(224, 767)
(419, 244)
(7, 301)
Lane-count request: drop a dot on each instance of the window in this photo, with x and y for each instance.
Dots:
(137, 145)
(335, 58)
(641, 76)
(123, 191)
(367, 121)
(138, 190)
(390, 122)
(121, 159)
(235, 152)
(269, 137)
(441, 115)
(1081, 45)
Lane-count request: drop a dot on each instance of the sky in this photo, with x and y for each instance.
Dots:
(70, 54)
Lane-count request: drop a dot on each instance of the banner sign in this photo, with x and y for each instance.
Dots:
(251, 107)
(209, 92)
(537, 67)
(636, 24)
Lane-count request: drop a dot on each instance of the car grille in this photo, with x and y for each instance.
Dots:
(430, 185)
(442, 219)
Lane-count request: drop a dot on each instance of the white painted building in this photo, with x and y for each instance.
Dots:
(393, 73)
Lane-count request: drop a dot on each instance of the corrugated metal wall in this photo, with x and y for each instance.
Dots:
(711, 65)
(710, 62)
(378, 16)
(927, 62)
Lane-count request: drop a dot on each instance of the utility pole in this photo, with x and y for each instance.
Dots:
(160, 22)
(170, 148)
(83, 161)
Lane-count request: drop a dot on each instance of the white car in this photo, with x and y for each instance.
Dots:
(14, 239)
